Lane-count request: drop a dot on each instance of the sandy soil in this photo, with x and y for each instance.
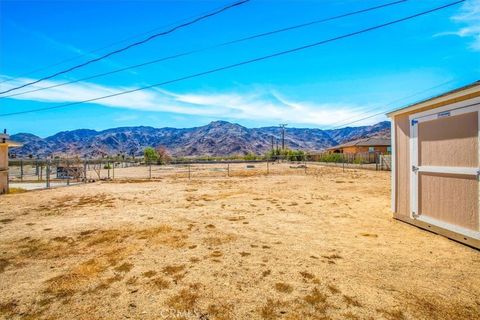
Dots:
(289, 246)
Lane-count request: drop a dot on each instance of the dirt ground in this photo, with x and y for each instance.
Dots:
(284, 246)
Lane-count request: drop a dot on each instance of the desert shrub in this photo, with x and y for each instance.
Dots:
(150, 155)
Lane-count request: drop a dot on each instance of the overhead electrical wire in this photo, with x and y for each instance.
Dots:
(231, 66)
(137, 35)
(104, 56)
(259, 35)
(342, 123)
(383, 112)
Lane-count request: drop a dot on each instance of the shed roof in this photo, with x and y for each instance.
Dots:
(367, 142)
(472, 88)
(9, 142)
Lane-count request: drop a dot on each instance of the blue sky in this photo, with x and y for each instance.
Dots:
(321, 87)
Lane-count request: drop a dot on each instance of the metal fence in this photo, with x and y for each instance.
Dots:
(39, 174)
(30, 174)
(364, 160)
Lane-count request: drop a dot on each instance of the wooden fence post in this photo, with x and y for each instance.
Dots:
(85, 171)
(21, 170)
(68, 173)
(47, 173)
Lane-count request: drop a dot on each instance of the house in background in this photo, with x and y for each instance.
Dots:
(377, 145)
(436, 164)
(5, 143)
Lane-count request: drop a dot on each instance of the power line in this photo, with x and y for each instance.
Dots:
(209, 48)
(393, 109)
(183, 25)
(342, 123)
(106, 46)
(383, 112)
(231, 66)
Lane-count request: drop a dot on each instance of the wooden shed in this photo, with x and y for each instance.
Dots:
(435, 164)
(4, 145)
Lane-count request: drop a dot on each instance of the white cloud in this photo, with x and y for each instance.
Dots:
(469, 18)
(258, 105)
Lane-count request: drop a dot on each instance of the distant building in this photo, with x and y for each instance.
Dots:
(378, 145)
(5, 143)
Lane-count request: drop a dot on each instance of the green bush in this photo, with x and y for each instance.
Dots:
(250, 156)
(150, 155)
(331, 157)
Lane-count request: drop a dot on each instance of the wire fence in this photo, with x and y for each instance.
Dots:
(41, 174)
(363, 160)
(30, 174)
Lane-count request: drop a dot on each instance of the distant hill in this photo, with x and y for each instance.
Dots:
(219, 138)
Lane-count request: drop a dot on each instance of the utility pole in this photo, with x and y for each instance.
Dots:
(283, 125)
(273, 151)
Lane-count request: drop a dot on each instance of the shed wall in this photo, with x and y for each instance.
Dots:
(402, 165)
(451, 141)
(3, 156)
(3, 168)
(3, 181)
(442, 194)
(462, 133)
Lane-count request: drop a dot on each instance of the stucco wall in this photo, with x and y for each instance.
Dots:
(3, 168)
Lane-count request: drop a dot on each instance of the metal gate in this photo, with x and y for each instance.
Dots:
(444, 158)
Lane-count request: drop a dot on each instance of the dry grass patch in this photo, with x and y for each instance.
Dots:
(43, 249)
(16, 190)
(316, 298)
(62, 205)
(107, 237)
(219, 239)
(124, 267)
(216, 254)
(185, 300)
(307, 275)
(350, 301)
(333, 289)
(221, 311)
(174, 269)
(7, 220)
(160, 283)
(149, 274)
(4, 263)
(269, 310)
(283, 287)
(372, 235)
(392, 314)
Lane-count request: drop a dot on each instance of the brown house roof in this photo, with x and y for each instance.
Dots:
(368, 142)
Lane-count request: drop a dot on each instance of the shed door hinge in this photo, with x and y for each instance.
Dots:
(414, 122)
(415, 169)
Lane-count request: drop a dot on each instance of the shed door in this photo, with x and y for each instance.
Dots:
(445, 168)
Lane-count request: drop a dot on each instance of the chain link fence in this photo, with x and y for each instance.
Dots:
(30, 174)
(40, 174)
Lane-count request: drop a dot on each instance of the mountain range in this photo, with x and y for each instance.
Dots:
(218, 138)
